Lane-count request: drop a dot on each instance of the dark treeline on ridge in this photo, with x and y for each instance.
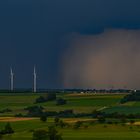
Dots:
(68, 91)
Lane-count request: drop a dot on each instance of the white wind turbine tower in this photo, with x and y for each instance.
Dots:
(35, 76)
(11, 79)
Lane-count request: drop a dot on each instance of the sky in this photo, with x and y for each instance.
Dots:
(48, 34)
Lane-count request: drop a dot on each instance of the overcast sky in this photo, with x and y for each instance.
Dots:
(40, 32)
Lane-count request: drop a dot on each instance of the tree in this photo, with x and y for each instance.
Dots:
(8, 129)
(34, 111)
(40, 99)
(53, 134)
(40, 135)
(45, 98)
(62, 124)
(43, 118)
(134, 96)
(56, 120)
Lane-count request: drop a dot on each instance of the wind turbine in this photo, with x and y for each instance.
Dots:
(35, 76)
(11, 79)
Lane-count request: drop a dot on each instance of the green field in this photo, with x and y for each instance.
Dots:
(80, 104)
(95, 132)
(17, 103)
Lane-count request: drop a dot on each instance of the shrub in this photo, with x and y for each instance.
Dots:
(77, 124)
(19, 115)
(61, 101)
(105, 126)
(123, 120)
(40, 99)
(43, 118)
(40, 135)
(1, 136)
(34, 111)
(101, 119)
(66, 113)
(51, 97)
(132, 121)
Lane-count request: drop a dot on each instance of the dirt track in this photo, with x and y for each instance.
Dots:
(73, 120)
(14, 119)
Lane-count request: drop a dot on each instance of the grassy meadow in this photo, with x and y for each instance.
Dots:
(23, 131)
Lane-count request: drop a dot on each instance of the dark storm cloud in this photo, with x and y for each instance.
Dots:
(108, 60)
(33, 32)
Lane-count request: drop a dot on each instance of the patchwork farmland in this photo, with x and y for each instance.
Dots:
(11, 105)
